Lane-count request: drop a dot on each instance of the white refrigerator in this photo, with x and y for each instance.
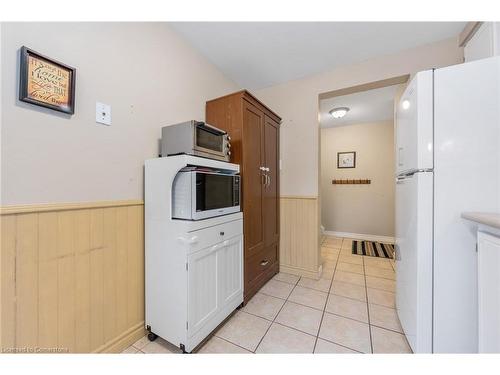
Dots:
(447, 162)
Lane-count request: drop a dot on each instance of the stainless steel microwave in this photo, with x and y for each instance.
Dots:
(195, 138)
(202, 193)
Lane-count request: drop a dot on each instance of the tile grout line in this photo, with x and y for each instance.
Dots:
(295, 329)
(367, 306)
(387, 329)
(297, 303)
(302, 286)
(241, 347)
(380, 277)
(330, 293)
(326, 301)
(281, 308)
(365, 300)
(342, 345)
(368, 310)
(357, 273)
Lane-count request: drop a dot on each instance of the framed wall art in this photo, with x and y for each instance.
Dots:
(346, 159)
(46, 82)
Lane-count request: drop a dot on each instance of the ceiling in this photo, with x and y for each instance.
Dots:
(367, 106)
(261, 54)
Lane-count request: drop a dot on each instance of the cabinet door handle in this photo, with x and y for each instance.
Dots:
(189, 241)
(264, 263)
(267, 180)
(219, 245)
(215, 247)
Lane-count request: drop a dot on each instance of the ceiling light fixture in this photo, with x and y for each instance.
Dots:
(339, 112)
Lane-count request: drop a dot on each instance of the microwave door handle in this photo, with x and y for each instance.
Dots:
(211, 128)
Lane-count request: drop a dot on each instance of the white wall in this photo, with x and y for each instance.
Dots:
(362, 209)
(297, 103)
(148, 75)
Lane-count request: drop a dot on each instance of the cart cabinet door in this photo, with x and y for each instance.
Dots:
(230, 269)
(203, 299)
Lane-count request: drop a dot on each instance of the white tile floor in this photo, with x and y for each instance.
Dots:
(349, 310)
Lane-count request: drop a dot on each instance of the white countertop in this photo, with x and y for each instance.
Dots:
(485, 218)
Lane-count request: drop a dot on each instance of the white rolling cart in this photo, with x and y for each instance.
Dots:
(193, 269)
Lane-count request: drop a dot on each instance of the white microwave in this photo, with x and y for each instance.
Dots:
(201, 194)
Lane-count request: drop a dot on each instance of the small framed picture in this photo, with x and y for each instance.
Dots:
(46, 82)
(346, 159)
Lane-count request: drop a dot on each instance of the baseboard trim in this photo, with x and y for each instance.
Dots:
(123, 341)
(302, 271)
(47, 207)
(359, 236)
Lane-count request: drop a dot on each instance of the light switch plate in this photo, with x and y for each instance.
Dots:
(103, 113)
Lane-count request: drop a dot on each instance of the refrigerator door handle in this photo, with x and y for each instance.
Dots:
(411, 172)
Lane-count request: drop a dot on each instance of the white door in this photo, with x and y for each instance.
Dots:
(230, 269)
(489, 293)
(203, 299)
(467, 170)
(414, 125)
(414, 259)
(215, 277)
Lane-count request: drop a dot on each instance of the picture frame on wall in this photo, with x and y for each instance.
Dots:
(346, 159)
(46, 82)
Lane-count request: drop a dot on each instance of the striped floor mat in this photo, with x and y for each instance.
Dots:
(373, 249)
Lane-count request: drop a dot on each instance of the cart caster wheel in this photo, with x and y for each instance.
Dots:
(152, 336)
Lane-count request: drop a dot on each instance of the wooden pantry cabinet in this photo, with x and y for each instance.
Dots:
(254, 132)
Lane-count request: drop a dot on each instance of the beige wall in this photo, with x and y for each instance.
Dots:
(362, 209)
(148, 75)
(297, 103)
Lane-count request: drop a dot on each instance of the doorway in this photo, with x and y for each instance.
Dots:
(357, 198)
